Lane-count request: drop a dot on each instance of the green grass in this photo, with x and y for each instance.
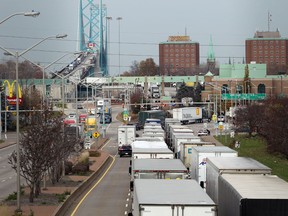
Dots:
(255, 147)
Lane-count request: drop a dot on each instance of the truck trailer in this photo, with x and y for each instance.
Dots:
(199, 155)
(188, 115)
(126, 134)
(217, 166)
(149, 153)
(158, 169)
(154, 197)
(252, 195)
(185, 153)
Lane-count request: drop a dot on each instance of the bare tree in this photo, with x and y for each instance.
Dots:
(41, 144)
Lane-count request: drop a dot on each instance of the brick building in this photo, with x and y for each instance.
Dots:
(178, 56)
(268, 48)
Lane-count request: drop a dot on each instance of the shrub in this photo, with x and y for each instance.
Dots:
(94, 153)
(80, 168)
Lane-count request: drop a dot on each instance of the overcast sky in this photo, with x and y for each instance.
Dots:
(144, 25)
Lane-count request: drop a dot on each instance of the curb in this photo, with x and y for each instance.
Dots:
(79, 191)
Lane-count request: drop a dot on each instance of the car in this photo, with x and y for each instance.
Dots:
(125, 150)
(203, 132)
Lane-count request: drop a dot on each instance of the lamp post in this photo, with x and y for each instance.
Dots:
(119, 19)
(108, 19)
(31, 14)
(16, 55)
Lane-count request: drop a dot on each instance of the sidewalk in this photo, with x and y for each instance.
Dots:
(11, 139)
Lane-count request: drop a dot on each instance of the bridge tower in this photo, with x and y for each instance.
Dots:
(91, 33)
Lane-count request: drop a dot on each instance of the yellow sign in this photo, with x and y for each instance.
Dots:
(96, 134)
(11, 88)
(179, 38)
(214, 117)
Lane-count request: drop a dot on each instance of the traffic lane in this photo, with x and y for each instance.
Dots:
(111, 196)
(7, 174)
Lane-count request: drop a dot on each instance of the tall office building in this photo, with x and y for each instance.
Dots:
(268, 48)
(178, 56)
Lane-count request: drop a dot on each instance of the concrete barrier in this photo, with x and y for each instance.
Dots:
(82, 189)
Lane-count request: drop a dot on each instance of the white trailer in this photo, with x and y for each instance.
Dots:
(160, 153)
(179, 138)
(216, 166)
(126, 134)
(158, 169)
(154, 135)
(169, 122)
(151, 139)
(199, 156)
(148, 144)
(154, 197)
(154, 130)
(169, 132)
(188, 115)
(245, 195)
(185, 153)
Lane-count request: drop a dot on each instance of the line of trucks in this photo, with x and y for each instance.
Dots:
(176, 173)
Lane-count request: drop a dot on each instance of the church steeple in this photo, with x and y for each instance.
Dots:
(211, 57)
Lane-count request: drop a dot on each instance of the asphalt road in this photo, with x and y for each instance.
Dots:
(110, 195)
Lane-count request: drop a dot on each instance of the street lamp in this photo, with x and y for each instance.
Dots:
(17, 55)
(119, 19)
(31, 14)
(108, 19)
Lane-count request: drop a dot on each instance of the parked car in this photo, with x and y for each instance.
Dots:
(203, 132)
(125, 150)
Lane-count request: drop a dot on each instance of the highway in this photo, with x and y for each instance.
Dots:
(110, 195)
(7, 174)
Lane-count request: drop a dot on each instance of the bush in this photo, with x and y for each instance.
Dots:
(94, 153)
(80, 168)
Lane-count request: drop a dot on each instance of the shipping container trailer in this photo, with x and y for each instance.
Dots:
(185, 153)
(252, 195)
(154, 197)
(161, 153)
(126, 134)
(199, 155)
(230, 165)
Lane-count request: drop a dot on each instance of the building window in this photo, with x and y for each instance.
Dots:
(239, 89)
(225, 89)
(261, 89)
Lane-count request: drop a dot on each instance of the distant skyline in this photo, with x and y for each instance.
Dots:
(143, 26)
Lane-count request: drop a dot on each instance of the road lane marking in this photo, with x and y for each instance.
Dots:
(81, 201)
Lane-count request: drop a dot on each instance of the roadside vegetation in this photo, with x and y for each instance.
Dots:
(267, 134)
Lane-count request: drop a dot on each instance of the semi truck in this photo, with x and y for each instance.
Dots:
(188, 115)
(217, 166)
(199, 155)
(185, 153)
(157, 169)
(154, 197)
(150, 114)
(126, 134)
(161, 153)
(252, 195)
(154, 91)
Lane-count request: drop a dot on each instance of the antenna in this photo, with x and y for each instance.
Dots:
(269, 20)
